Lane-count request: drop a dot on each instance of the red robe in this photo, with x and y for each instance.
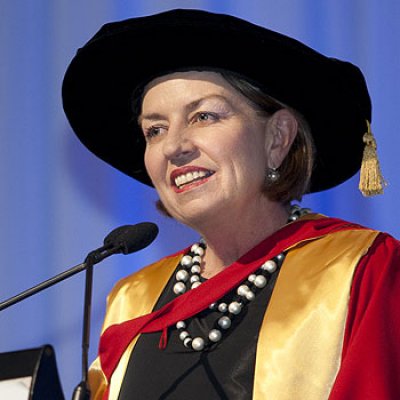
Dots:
(356, 357)
(370, 367)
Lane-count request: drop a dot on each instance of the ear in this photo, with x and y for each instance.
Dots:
(281, 132)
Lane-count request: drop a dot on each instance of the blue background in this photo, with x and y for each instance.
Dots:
(58, 202)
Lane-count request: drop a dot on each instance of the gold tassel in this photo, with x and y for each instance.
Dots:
(371, 179)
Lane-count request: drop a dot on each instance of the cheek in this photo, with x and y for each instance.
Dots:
(252, 163)
(151, 163)
(146, 160)
(250, 151)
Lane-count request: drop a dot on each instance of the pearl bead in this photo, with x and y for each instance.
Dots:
(194, 278)
(280, 257)
(194, 247)
(187, 342)
(183, 335)
(213, 306)
(195, 284)
(196, 260)
(179, 288)
(195, 269)
(269, 266)
(198, 344)
(215, 335)
(199, 251)
(181, 325)
(260, 281)
(186, 261)
(224, 322)
(182, 275)
(252, 277)
(235, 307)
(242, 290)
(250, 295)
(223, 307)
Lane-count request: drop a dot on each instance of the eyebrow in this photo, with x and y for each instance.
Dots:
(188, 107)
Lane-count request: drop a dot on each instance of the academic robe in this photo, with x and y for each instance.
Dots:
(331, 329)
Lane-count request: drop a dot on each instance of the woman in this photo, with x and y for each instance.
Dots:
(231, 123)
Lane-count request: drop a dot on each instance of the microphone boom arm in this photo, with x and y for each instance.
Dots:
(41, 286)
(93, 258)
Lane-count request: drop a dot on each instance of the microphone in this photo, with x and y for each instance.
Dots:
(125, 239)
(131, 238)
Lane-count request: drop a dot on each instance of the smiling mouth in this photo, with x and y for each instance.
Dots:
(191, 177)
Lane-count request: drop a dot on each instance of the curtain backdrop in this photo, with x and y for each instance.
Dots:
(58, 201)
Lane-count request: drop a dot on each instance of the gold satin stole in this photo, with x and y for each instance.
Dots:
(300, 343)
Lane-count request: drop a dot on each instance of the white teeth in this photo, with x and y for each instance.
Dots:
(189, 177)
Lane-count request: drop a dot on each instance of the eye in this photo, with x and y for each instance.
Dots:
(153, 131)
(205, 116)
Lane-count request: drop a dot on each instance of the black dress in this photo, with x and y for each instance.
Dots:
(224, 371)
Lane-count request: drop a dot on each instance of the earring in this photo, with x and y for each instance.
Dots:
(272, 175)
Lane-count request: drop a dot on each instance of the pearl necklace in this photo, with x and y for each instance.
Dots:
(188, 277)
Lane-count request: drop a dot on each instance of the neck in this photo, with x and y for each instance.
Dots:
(227, 242)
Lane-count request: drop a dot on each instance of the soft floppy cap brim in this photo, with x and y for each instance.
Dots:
(98, 85)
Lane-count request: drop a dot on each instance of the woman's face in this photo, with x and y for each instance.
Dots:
(206, 151)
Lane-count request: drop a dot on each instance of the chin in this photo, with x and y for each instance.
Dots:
(197, 217)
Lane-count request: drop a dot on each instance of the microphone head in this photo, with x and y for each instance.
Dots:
(130, 238)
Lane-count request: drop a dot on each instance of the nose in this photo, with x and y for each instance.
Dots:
(178, 147)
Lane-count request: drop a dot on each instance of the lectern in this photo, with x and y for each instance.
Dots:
(30, 375)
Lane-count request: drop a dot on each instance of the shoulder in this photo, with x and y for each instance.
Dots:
(377, 277)
(331, 225)
(387, 243)
(374, 246)
(137, 293)
(383, 255)
(156, 271)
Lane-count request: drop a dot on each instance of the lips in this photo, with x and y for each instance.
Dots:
(189, 175)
